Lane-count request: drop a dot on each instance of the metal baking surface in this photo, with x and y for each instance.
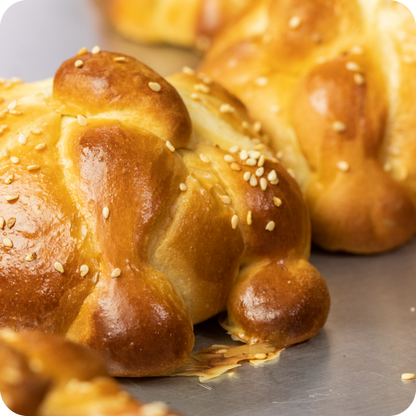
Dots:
(352, 367)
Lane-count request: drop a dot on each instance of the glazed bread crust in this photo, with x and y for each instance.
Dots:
(184, 22)
(45, 375)
(131, 221)
(331, 83)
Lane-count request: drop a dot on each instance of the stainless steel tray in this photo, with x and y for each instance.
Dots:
(352, 367)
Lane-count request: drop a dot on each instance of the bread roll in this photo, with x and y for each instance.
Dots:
(333, 84)
(125, 217)
(179, 22)
(44, 375)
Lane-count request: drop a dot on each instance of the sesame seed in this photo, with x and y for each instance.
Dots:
(84, 269)
(270, 226)
(79, 63)
(154, 409)
(10, 222)
(202, 88)
(33, 167)
(245, 125)
(40, 146)
(182, 187)
(261, 81)
(257, 126)
(22, 138)
(359, 79)
(169, 146)
(261, 161)
(188, 70)
(226, 108)
(14, 112)
(407, 376)
(6, 152)
(12, 105)
(253, 180)
(195, 96)
(9, 179)
(31, 257)
(279, 154)
(234, 149)
(229, 159)
(3, 127)
(225, 199)
(277, 201)
(247, 176)
(235, 166)
(58, 266)
(7, 242)
(353, 66)
(120, 59)
(249, 218)
(116, 273)
(276, 181)
(155, 86)
(263, 184)
(387, 167)
(244, 154)
(95, 50)
(251, 162)
(106, 212)
(82, 120)
(204, 158)
(272, 175)
(343, 166)
(82, 51)
(255, 154)
(260, 356)
(204, 78)
(36, 365)
(259, 147)
(15, 160)
(234, 222)
(36, 131)
(339, 127)
(294, 22)
(2, 222)
(260, 172)
(202, 43)
(357, 50)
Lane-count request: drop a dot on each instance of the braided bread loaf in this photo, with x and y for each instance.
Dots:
(333, 84)
(181, 22)
(124, 223)
(44, 375)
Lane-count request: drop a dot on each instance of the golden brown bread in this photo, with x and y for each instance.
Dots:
(44, 375)
(130, 226)
(180, 22)
(333, 84)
